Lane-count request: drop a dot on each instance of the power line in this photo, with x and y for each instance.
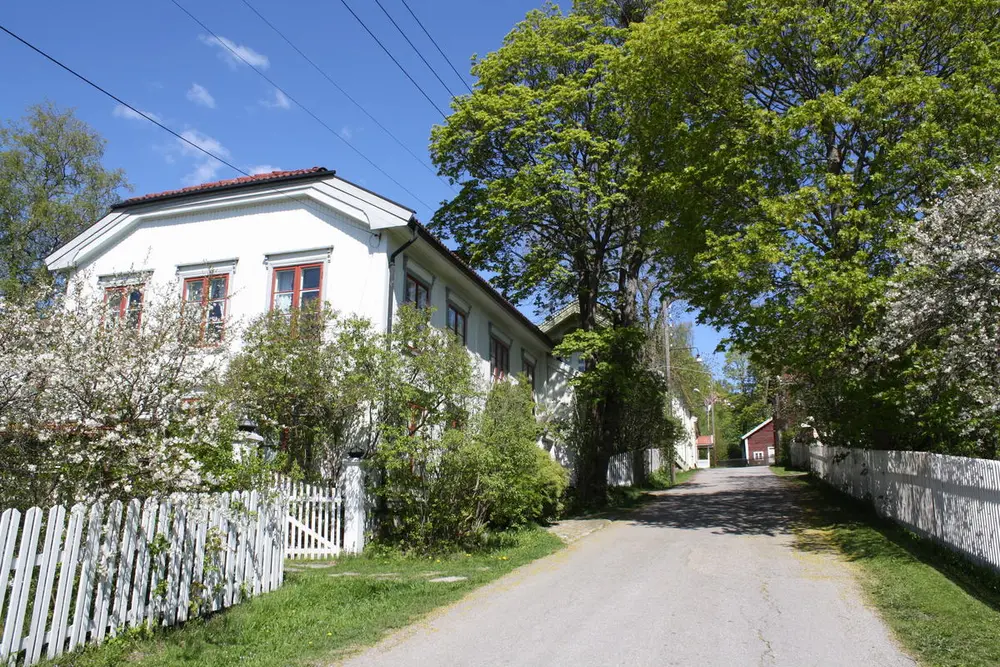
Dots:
(342, 91)
(163, 127)
(300, 105)
(414, 47)
(393, 58)
(434, 42)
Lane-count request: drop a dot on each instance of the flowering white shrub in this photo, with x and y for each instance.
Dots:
(93, 407)
(942, 324)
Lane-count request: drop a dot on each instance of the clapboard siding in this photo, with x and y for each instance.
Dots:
(78, 576)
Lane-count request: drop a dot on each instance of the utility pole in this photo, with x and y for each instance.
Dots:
(665, 310)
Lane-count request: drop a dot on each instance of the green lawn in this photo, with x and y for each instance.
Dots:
(316, 616)
(944, 610)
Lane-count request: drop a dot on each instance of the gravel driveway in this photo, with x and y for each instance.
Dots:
(705, 575)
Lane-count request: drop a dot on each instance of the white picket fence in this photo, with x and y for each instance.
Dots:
(951, 499)
(107, 569)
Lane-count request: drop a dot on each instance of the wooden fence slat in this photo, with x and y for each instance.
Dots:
(230, 576)
(126, 559)
(240, 519)
(179, 527)
(10, 522)
(106, 570)
(46, 578)
(24, 568)
(84, 596)
(157, 604)
(67, 576)
(140, 581)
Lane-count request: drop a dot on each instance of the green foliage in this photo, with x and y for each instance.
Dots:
(553, 199)
(443, 486)
(616, 374)
(52, 186)
(311, 381)
(797, 141)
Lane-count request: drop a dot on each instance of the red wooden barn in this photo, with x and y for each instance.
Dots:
(758, 444)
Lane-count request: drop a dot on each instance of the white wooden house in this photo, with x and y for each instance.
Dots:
(278, 240)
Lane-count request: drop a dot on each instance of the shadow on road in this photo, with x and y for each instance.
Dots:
(743, 505)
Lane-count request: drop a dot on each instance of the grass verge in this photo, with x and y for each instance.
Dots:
(944, 610)
(324, 611)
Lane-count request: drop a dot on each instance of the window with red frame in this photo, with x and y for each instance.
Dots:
(457, 322)
(417, 292)
(297, 287)
(499, 358)
(123, 305)
(208, 297)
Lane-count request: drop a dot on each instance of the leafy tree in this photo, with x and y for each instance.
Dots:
(311, 381)
(798, 141)
(553, 199)
(941, 330)
(447, 472)
(52, 186)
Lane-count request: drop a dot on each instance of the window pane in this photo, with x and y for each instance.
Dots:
(134, 308)
(452, 317)
(215, 310)
(218, 289)
(410, 287)
(284, 281)
(309, 298)
(195, 290)
(283, 302)
(114, 302)
(310, 278)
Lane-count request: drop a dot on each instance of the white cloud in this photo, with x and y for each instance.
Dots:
(199, 95)
(122, 111)
(231, 52)
(346, 133)
(279, 101)
(263, 169)
(205, 168)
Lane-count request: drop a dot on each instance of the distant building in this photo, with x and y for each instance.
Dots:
(758, 444)
(705, 444)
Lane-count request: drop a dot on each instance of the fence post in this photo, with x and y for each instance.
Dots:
(352, 492)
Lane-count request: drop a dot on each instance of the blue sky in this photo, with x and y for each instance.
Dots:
(157, 59)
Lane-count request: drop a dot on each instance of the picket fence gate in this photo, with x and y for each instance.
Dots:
(157, 562)
(315, 519)
(324, 520)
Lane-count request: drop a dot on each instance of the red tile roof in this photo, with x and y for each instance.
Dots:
(705, 440)
(216, 185)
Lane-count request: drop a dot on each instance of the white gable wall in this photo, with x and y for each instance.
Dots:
(354, 258)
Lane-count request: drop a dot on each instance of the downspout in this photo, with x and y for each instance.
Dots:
(392, 272)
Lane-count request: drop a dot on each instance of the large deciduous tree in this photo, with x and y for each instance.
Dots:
(52, 186)
(799, 140)
(553, 198)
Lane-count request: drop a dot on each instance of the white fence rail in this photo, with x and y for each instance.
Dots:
(78, 576)
(951, 499)
(621, 467)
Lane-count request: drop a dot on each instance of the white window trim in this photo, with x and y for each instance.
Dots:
(124, 279)
(418, 271)
(277, 260)
(222, 267)
(281, 260)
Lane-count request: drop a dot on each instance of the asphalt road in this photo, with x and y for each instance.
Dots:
(705, 575)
